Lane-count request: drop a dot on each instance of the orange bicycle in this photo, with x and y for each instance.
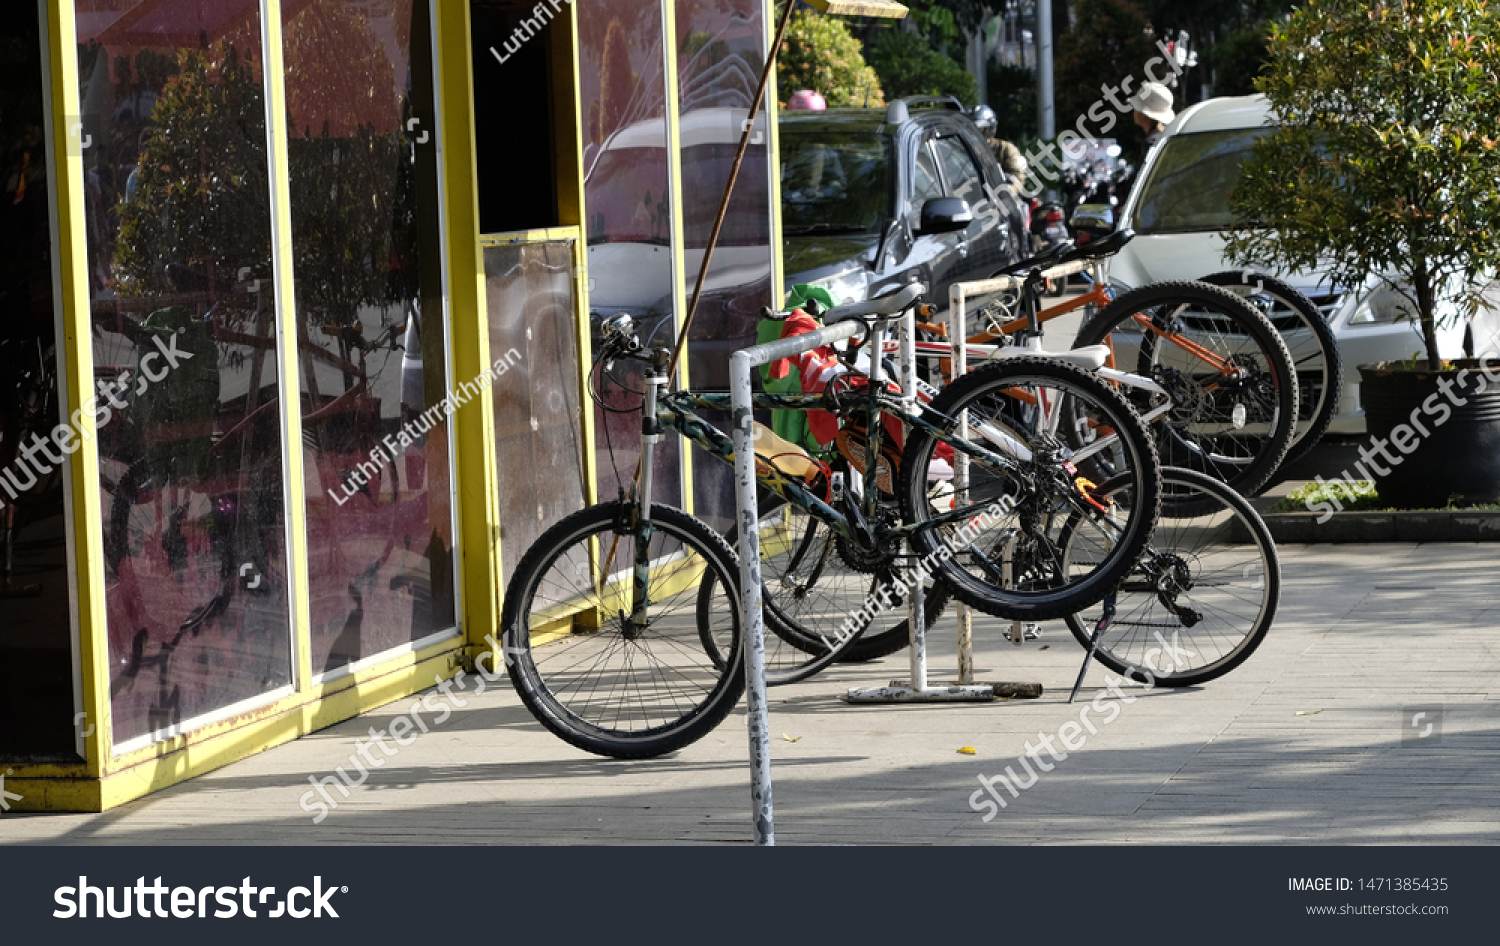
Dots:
(1224, 384)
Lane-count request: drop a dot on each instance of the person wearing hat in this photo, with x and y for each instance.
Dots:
(1153, 113)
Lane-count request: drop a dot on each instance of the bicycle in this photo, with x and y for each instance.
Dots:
(608, 683)
(1201, 598)
(1233, 383)
(1155, 397)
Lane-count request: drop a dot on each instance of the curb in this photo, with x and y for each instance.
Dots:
(1362, 527)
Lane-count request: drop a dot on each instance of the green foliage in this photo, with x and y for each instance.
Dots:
(1012, 91)
(1106, 44)
(937, 22)
(820, 54)
(1386, 159)
(1238, 58)
(907, 65)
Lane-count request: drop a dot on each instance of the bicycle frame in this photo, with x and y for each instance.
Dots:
(675, 411)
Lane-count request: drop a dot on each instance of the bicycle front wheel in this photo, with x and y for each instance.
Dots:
(1200, 599)
(997, 543)
(591, 670)
(1228, 374)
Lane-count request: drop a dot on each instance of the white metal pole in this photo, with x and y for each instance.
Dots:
(916, 598)
(752, 621)
(958, 334)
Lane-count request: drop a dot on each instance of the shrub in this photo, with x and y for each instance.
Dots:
(907, 65)
(1385, 158)
(820, 54)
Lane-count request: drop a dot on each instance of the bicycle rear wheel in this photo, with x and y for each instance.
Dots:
(813, 597)
(997, 547)
(1232, 383)
(1309, 340)
(1200, 599)
(585, 669)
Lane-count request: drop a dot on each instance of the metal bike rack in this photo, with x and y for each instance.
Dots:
(915, 690)
(958, 334)
(741, 364)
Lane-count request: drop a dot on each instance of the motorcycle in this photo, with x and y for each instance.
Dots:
(1048, 230)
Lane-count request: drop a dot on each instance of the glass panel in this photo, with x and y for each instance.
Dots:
(927, 183)
(962, 172)
(538, 413)
(36, 677)
(371, 343)
(184, 346)
(628, 202)
(1191, 180)
(721, 51)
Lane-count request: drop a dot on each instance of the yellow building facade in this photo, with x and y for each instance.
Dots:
(299, 305)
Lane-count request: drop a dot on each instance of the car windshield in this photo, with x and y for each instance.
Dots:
(1191, 179)
(834, 182)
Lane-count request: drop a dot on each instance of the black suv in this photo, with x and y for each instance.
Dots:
(867, 198)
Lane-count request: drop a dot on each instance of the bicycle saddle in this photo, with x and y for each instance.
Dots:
(1089, 358)
(1100, 248)
(1044, 260)
(891, 303)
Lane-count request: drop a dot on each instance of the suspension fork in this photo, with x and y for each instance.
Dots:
(640, 594)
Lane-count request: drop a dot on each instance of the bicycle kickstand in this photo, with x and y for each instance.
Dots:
(1099, 629)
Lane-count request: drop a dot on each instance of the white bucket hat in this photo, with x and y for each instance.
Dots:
(1154, 100)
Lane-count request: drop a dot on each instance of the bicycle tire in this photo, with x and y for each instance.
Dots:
(1204, 547)
(1043, 591)
(1230, 328)
(609, 724)
(799, 643)
(1315, 357)
(809, 592)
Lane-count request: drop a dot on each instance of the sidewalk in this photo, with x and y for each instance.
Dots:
(1364, 632)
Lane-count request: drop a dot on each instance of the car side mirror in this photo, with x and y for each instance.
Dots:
(1094, 219)
(944, 215)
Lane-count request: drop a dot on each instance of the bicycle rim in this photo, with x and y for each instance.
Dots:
(1200, 599)
(1234, 426)
(1309, 341)
(1005, 558)
(593, 676)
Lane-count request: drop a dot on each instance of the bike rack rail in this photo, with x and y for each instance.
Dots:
(741, 364)
(958, 334)
(916, 689)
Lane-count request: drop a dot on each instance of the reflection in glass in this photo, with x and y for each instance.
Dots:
(721, 51)
(538, 417)
(184, 349)
(379, 519)
(627, 194)
(36, 680)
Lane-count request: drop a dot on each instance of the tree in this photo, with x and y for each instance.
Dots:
(1385, 160)
(907, 65)
(199, 198)
(821, 54)
(1106, 44)
(1238, 58)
